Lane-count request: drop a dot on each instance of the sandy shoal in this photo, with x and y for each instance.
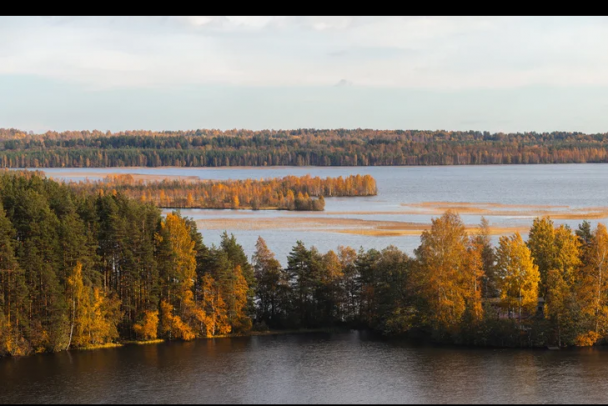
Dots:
(327, 224)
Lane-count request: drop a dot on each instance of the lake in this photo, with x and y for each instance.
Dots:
(350, 367)
(510, 196)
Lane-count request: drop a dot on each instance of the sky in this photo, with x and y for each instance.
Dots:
(178, 73)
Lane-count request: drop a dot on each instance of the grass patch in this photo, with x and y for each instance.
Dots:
(98, 346)
(145, 342)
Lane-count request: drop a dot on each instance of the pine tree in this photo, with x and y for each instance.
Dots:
(272, 285)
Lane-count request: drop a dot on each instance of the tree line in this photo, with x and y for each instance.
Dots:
(287, 193)
(80, 269)
(84, 269)
(551, 290)
(301, 147)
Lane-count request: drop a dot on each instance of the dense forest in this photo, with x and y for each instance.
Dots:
(81, 269)
(301, 147)
(288, 193)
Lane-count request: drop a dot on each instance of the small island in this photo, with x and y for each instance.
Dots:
(303, 193)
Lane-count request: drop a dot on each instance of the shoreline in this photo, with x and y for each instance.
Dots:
(127, 343)
(296, 166)
(162, 340)
(413, 339)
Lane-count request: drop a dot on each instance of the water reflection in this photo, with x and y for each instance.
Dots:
(311, 368)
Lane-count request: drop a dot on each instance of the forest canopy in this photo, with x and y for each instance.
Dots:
(300, 147)
(81, 269)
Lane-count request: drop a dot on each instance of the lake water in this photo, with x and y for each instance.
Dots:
(308, 368)
(401, 191)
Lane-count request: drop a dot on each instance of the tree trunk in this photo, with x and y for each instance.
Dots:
(72, 327)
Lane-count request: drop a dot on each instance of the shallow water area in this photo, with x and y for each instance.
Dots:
(509, 196)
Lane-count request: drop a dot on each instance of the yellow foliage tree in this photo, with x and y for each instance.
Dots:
(216, 315)
(445, 277)
(474, 273)
(173, 325)
(179, 276)
(592, 290)
(560, 300)
(105, 318)
(518, 276)
(93, 316)
(11, 341)
(80, 308)
(147, 329)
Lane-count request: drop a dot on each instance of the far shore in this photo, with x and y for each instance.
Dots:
(315, 166)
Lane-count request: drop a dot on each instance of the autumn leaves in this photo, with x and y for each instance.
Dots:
(193, 305)
(554, 284)
(455, 272)
(288, 193)
(448, 275)
(551, 289)
(80, 270)
(190, 305)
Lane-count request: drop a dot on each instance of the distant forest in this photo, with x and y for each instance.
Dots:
(301, 147)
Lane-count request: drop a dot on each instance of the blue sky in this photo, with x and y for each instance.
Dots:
(169, 73)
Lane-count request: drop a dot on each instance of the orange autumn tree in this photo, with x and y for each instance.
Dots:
(592, 289)
(277, 193)
(79, 303)
(518, 277)
(179, 313)
(106, 315)
(93, 317)
(147, 329)
(447, 277)
(560, 307)
(172, 325)
(475, 273)
(216, 314)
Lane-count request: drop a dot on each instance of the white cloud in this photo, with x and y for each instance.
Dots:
(198, 21)
(344, 82)
(419, 52)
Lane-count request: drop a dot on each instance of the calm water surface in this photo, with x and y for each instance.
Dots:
(308, 368)
(575, 185)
